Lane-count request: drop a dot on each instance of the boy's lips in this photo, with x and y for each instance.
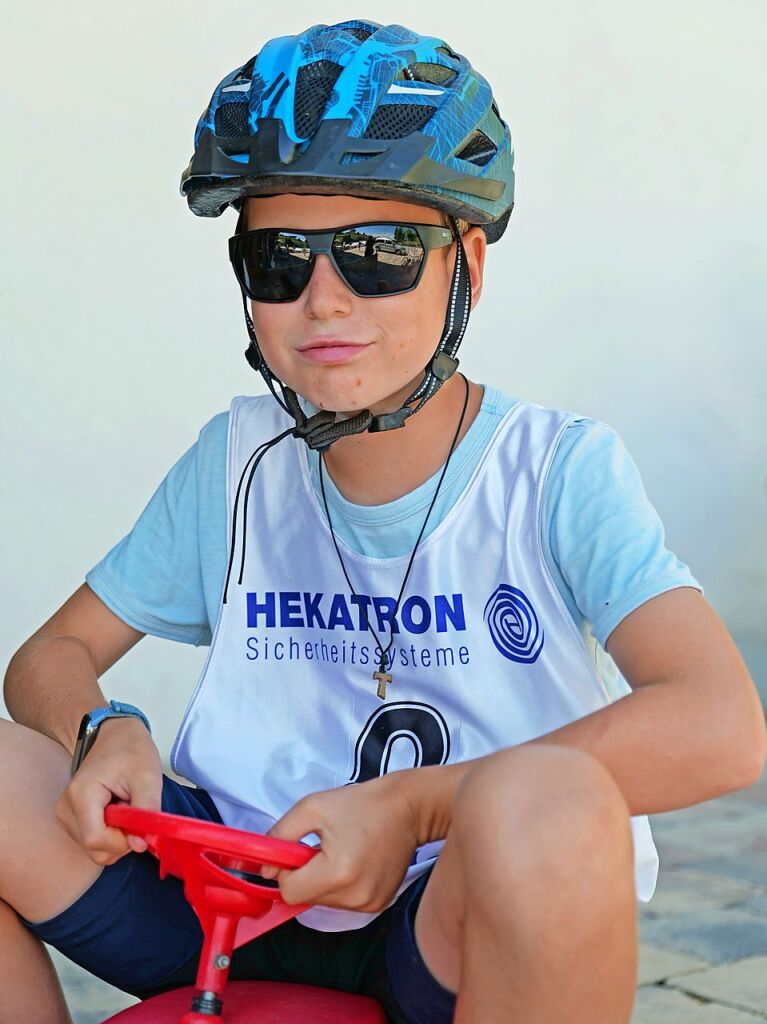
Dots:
(331, 350)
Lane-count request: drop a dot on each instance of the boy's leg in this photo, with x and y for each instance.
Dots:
(530, 913)
(30, 986)
(42, 871)
(121, 922)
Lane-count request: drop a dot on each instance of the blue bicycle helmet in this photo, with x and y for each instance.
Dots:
(356, 108)
(368, 110)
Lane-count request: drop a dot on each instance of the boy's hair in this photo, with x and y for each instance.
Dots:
(463, 225)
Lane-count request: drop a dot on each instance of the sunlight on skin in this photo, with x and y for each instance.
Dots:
(401, 332)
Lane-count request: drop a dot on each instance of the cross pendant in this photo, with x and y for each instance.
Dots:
(382, 678)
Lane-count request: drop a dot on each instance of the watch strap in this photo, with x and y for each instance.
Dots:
(120, 709)
(93, 720)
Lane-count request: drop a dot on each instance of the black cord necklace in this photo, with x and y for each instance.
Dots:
(383, 677)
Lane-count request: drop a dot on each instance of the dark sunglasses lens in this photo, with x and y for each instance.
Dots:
(273, 266)
(379, 259)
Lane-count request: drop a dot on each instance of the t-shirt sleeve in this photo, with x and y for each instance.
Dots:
(606, 542)
(152, 578)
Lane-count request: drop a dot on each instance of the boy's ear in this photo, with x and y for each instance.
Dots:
(475, 247)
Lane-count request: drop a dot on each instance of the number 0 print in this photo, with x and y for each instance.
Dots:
(421, 724)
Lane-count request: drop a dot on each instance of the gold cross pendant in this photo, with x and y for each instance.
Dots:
(382, 678)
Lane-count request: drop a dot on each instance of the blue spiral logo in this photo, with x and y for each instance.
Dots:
(513, 624)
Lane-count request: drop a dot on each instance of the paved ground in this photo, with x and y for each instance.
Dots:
(704, 935)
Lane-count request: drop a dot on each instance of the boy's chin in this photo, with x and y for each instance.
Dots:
(348, 406)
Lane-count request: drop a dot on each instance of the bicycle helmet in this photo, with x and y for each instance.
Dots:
(363, 109)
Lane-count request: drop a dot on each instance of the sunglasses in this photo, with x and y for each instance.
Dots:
(385, 258)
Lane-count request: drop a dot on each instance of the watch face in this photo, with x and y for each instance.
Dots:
(90, 723)
(83, 726)
(89, 739)
(86, 736)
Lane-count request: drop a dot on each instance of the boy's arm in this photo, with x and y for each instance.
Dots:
(692, 729)
(52, 680)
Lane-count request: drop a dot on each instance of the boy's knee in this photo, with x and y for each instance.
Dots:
(30, 763)
(532, 807)
(34, 771)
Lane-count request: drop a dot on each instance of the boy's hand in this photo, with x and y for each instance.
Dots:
(124, 763)
(368, 835)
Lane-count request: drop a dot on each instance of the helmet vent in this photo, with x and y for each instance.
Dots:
(479, 149)
(436, 74)
(232, 120)
(355, 158)
(395, 120)
(447, 52)
(247, 69)
(360, 33)
(313, 88)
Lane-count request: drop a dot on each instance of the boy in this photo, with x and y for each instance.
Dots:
(401, 604)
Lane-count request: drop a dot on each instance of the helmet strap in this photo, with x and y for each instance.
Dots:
(322, 429)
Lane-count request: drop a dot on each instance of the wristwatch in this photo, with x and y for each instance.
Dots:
(91, 723)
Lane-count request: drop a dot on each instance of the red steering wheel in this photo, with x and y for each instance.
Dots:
(221, 869)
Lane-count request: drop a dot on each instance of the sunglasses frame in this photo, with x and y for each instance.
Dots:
(431, 236)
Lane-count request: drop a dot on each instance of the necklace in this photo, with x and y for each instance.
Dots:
(382, 677)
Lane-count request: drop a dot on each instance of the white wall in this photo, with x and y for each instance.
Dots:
(630, 286)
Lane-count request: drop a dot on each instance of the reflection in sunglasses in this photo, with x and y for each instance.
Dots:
(275, 264)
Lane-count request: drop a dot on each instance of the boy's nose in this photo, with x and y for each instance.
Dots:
(326, 293)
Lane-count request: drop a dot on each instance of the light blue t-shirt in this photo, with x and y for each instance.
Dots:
(603, 541)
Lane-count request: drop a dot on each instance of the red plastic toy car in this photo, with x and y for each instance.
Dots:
(221, 868)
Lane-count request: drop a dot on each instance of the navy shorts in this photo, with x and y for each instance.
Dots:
(138, 933)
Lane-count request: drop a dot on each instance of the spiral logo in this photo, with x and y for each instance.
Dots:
(513, 624)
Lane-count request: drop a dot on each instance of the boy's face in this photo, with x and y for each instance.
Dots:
(384, 342)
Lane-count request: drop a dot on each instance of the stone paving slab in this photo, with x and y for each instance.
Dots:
(657, 1005)
(660, 964)
(720, 838)
(755, 797)
(89, 999)
(742, 984)
(729, 807)
(684, 890)
(711, 812)
(675, 854)
(756, 905)
(720, 936)
(747, 865)
(718, 833)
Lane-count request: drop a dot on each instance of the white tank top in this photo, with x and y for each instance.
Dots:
(485, 652)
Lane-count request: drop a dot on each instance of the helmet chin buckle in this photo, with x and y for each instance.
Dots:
(253, 355)
(443, 366)
(389, 420)
(322, 430)
(315, 424)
